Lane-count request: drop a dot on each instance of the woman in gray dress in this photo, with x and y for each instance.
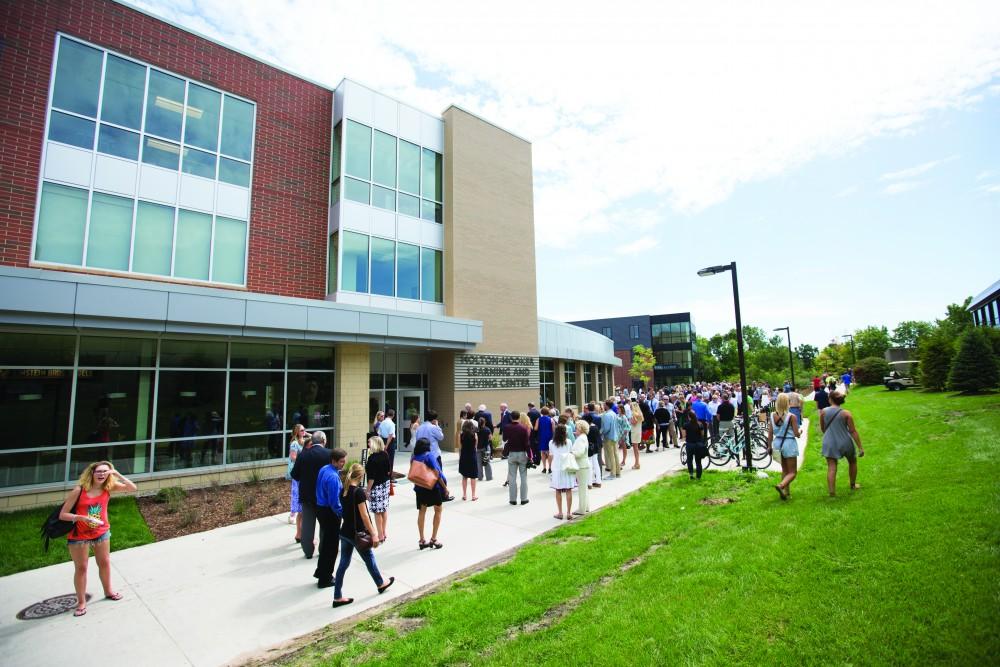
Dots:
(839, 439)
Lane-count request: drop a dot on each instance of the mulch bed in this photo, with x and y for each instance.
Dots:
(198, 510)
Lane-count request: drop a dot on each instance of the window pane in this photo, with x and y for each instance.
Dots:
(335, 155)
(331, 258)
(187, 400)
(164, 104)
(257, 355)
(127, 459)
(61, 219)
(430, 211)
(71, 130)
(310, 358)
(310, 400)
(409, 205)
(383, 266)
(112, 406)
(34, 407)
(408, 282)
(430, 172)
(26, 468)
(78, 78)
(194, 245)
(255, 400)
(115, 141)
(192, 354)
(354, 272)
(251, 448)
(237, 128)
(161, 153)
(384, 168)
(359, 150)
(201, 127)
(110, 235)
(237, 173)
(154, 239)
(431, 275)
(199, 163)
(383, 198)
(229, 262)
(32, 349)
(124, 83)
(409, 167)
(356, 190)
(100, 351)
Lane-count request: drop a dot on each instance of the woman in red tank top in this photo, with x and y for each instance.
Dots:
(86, 505)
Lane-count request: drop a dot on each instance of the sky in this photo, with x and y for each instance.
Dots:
(846, 155)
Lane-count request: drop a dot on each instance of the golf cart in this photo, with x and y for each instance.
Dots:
(900, 375)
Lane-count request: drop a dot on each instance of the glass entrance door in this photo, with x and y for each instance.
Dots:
(410, 403)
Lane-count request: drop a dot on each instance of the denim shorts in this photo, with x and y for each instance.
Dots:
(103, 538)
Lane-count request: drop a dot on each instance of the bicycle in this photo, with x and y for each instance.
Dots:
(730, 446)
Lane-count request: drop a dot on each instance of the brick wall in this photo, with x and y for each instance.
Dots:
(292, 140)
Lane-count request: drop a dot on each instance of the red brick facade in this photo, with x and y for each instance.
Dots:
(292, 139)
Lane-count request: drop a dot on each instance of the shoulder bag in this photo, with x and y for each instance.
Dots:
(422, 475)
(54, 526)
(362, 538)
(569, 463)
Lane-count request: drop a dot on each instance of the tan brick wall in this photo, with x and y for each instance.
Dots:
(351, 397)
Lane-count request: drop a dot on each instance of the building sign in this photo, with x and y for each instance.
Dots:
(495, 371)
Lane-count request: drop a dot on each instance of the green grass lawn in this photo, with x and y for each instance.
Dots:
(21, 546)
(903, 571)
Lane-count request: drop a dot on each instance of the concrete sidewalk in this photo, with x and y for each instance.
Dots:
(210, 598)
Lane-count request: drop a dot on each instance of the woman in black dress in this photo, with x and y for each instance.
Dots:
(694, 438)
(468, 462)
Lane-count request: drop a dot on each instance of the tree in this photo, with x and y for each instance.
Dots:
(835, 358)
(871, 342)
(643, 361)
(706, 366)
(956, 320)
(871, 370)
(974, 367)
(935, 352)
(806, 353)
(909, 332)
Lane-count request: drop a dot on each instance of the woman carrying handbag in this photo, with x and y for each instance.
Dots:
(431, 487)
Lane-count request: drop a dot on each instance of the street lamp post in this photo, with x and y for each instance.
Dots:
(711, 271)
(854, 355)
(791, 364)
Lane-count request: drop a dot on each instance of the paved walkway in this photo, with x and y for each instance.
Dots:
(214, 597)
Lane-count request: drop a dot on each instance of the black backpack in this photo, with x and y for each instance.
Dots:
(594, 439)
(54, 527)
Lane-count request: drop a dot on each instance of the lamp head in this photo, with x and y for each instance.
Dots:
(712, 270)
(782, 329)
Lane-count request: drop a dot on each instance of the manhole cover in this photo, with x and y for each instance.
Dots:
(51, 607)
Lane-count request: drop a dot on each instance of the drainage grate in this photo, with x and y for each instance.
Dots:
(51, 607)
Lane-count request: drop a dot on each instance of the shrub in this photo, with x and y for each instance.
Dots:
(974, 367)
(935, 353)
(239, 505)
(871, 370)
(173, 496)
(255, 475)
(189, 517)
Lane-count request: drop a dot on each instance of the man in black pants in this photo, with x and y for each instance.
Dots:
(305, 471)
(662, 418)
(329, 512)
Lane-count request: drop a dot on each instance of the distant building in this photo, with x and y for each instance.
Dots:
(670, 336)
(985, 307)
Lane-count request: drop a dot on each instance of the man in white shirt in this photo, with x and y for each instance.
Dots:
(387, 431)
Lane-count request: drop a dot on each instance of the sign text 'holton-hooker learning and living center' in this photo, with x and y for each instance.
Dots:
(495, 371)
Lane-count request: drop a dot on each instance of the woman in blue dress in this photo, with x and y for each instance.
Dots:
(544, 428)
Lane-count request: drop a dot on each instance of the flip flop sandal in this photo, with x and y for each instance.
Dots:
(114, 597)
(557, 516)
(341, 603)
(80, 612)
(383, 588)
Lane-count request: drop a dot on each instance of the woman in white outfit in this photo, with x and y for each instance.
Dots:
(581, 447)
(563, 481)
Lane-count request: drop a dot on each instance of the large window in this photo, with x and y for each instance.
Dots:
(152, 405)
(161, 121)
(671, 332)
(390, 173)
(674, 359)
(546, 380)
(569, 381)
(384, 267)
(588, 383)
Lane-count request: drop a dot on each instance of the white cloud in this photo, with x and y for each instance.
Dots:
(639, 245)
(983, 175)
(847, 192)
(991, 189)
(918, 170)
(901, 187)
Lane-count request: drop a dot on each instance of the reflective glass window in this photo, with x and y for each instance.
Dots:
(154, 239)
(118, 142)
(430, 175)
(78, 78)
(192, 354)
(194, 245)
(249, 448)
(110, 235)
(310, 400)
(257, 355)
(384, 166)
(383, 266)
(34, 407)
(114, 351)
(358, 150)
(113, 406)
(188, 402)
(332, 248)
(124, 84)
(409, 205)
(306, 357)
(408, 268)
(383, 198)
(229, 261)
(358, 191)
(199, 163)
(25, 468)
(409, 167)
(237, 128)
(164, 105)
(237, 173)
(61, 219)
(201, 127)
(430, 210)
(354, 264)
(255, 400)
(430, 268)
(31, 349)
(71, 130)
(128, 459)
(160, 153)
